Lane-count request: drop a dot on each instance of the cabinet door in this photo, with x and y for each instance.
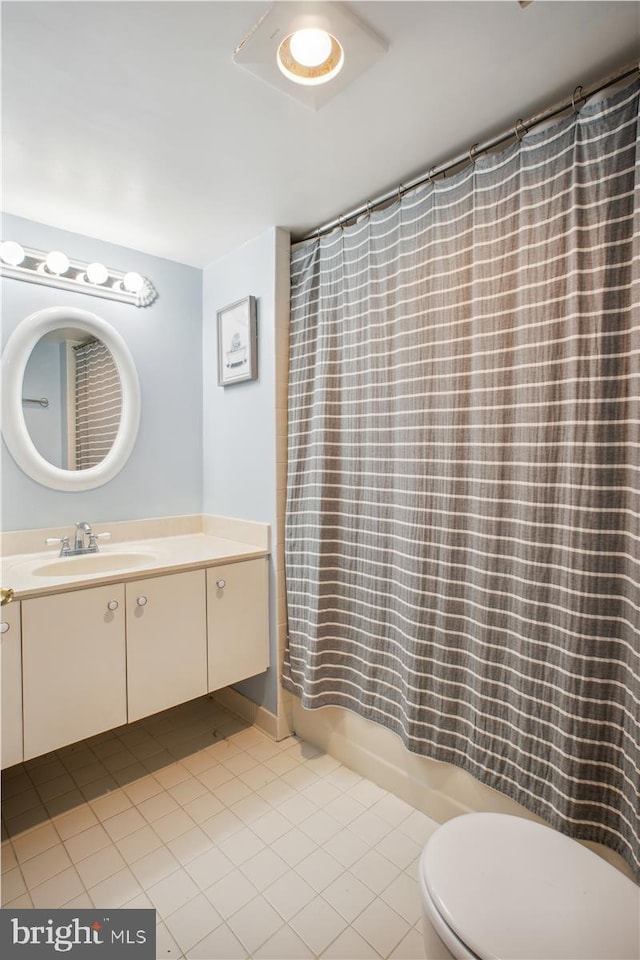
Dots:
(238, 621)
(73, 660)
(166, 642)
(11, 671)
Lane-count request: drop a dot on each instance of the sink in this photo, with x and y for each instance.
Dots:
(92, 563)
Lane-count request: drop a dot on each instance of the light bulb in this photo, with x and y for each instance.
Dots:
(310, 57)
(133, 282)
(57, 262)
(11, 253)
(97, 273)
(310, 47)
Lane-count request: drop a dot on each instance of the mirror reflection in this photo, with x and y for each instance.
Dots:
(72, 399)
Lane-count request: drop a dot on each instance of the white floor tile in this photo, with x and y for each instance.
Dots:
(348, 895)
(403, 895)
(399, 848)
(319, 869)
(254, 923)
(45, 865)
(285, 944)
(375, 870)
(100, 865)
(209, 867)
(154, 866)
(193, 922)
(174, 891)
(116, 890)
(350, 946)
(138, 844)
(410, 947)
(381, 926)
(264, 868)
(166, 947)
(294, 846)
(35, 841)
(242, 845)
(346, 847)
(231, 893)
(318, 924)
(289, 894)
(82, 845)
(75, 821)
(57, 891)
(190, 845)
(222, 944)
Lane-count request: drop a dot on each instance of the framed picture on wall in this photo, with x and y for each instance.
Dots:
(237, 342)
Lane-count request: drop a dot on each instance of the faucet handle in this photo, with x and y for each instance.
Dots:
(94, 537)
(63, 541)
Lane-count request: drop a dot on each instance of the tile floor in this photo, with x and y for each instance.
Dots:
(245, 847)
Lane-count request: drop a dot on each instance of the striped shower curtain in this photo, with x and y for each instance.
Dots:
(98, 403)
(462, 533)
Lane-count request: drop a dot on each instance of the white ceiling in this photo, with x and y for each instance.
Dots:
(129, 121)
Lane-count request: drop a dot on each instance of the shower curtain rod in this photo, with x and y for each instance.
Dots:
(519, 129)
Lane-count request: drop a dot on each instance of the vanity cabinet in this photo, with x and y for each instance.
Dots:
(237, 621)
(73, 666)
(166, 642)
(95, 658)
(11, 673)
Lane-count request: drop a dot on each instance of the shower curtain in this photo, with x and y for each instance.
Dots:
(98, 403)
(462, 531)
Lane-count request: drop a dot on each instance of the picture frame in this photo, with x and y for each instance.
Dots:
(237, 342)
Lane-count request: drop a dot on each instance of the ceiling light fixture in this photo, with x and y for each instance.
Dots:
(310, 56)
(299, 45)
(55, 269)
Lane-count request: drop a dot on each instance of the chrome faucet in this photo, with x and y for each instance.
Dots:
(85, 541)
(83, 529)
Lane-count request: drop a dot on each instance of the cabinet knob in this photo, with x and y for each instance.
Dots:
(141, 601)
(221, 584)
(112, 605)
(4, 627)
(6, 596)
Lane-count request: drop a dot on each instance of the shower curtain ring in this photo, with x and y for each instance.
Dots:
(400, 190)
(472, 154)
(573, 98)
(516, 130)
(430, 175)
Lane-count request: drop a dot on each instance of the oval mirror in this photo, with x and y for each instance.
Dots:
(76, 369)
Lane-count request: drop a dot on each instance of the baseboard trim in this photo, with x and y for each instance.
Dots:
(246, 709)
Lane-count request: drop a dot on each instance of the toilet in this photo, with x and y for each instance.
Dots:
(498, 887)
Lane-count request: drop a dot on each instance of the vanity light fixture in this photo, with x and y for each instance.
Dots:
(309, 49)
(55, 269)
(11, 253)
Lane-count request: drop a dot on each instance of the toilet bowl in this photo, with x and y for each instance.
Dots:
(497, 887)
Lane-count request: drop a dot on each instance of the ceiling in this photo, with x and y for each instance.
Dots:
(130, 121)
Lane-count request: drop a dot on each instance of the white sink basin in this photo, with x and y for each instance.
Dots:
(91, 563)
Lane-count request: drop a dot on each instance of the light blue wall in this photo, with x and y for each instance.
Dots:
(239, 426)
(163, 476)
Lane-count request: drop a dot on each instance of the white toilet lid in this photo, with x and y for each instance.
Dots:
(512, 889)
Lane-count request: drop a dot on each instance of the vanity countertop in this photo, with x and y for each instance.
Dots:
(36, 574)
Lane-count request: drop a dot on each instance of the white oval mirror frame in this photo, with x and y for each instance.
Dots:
(14, 429)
